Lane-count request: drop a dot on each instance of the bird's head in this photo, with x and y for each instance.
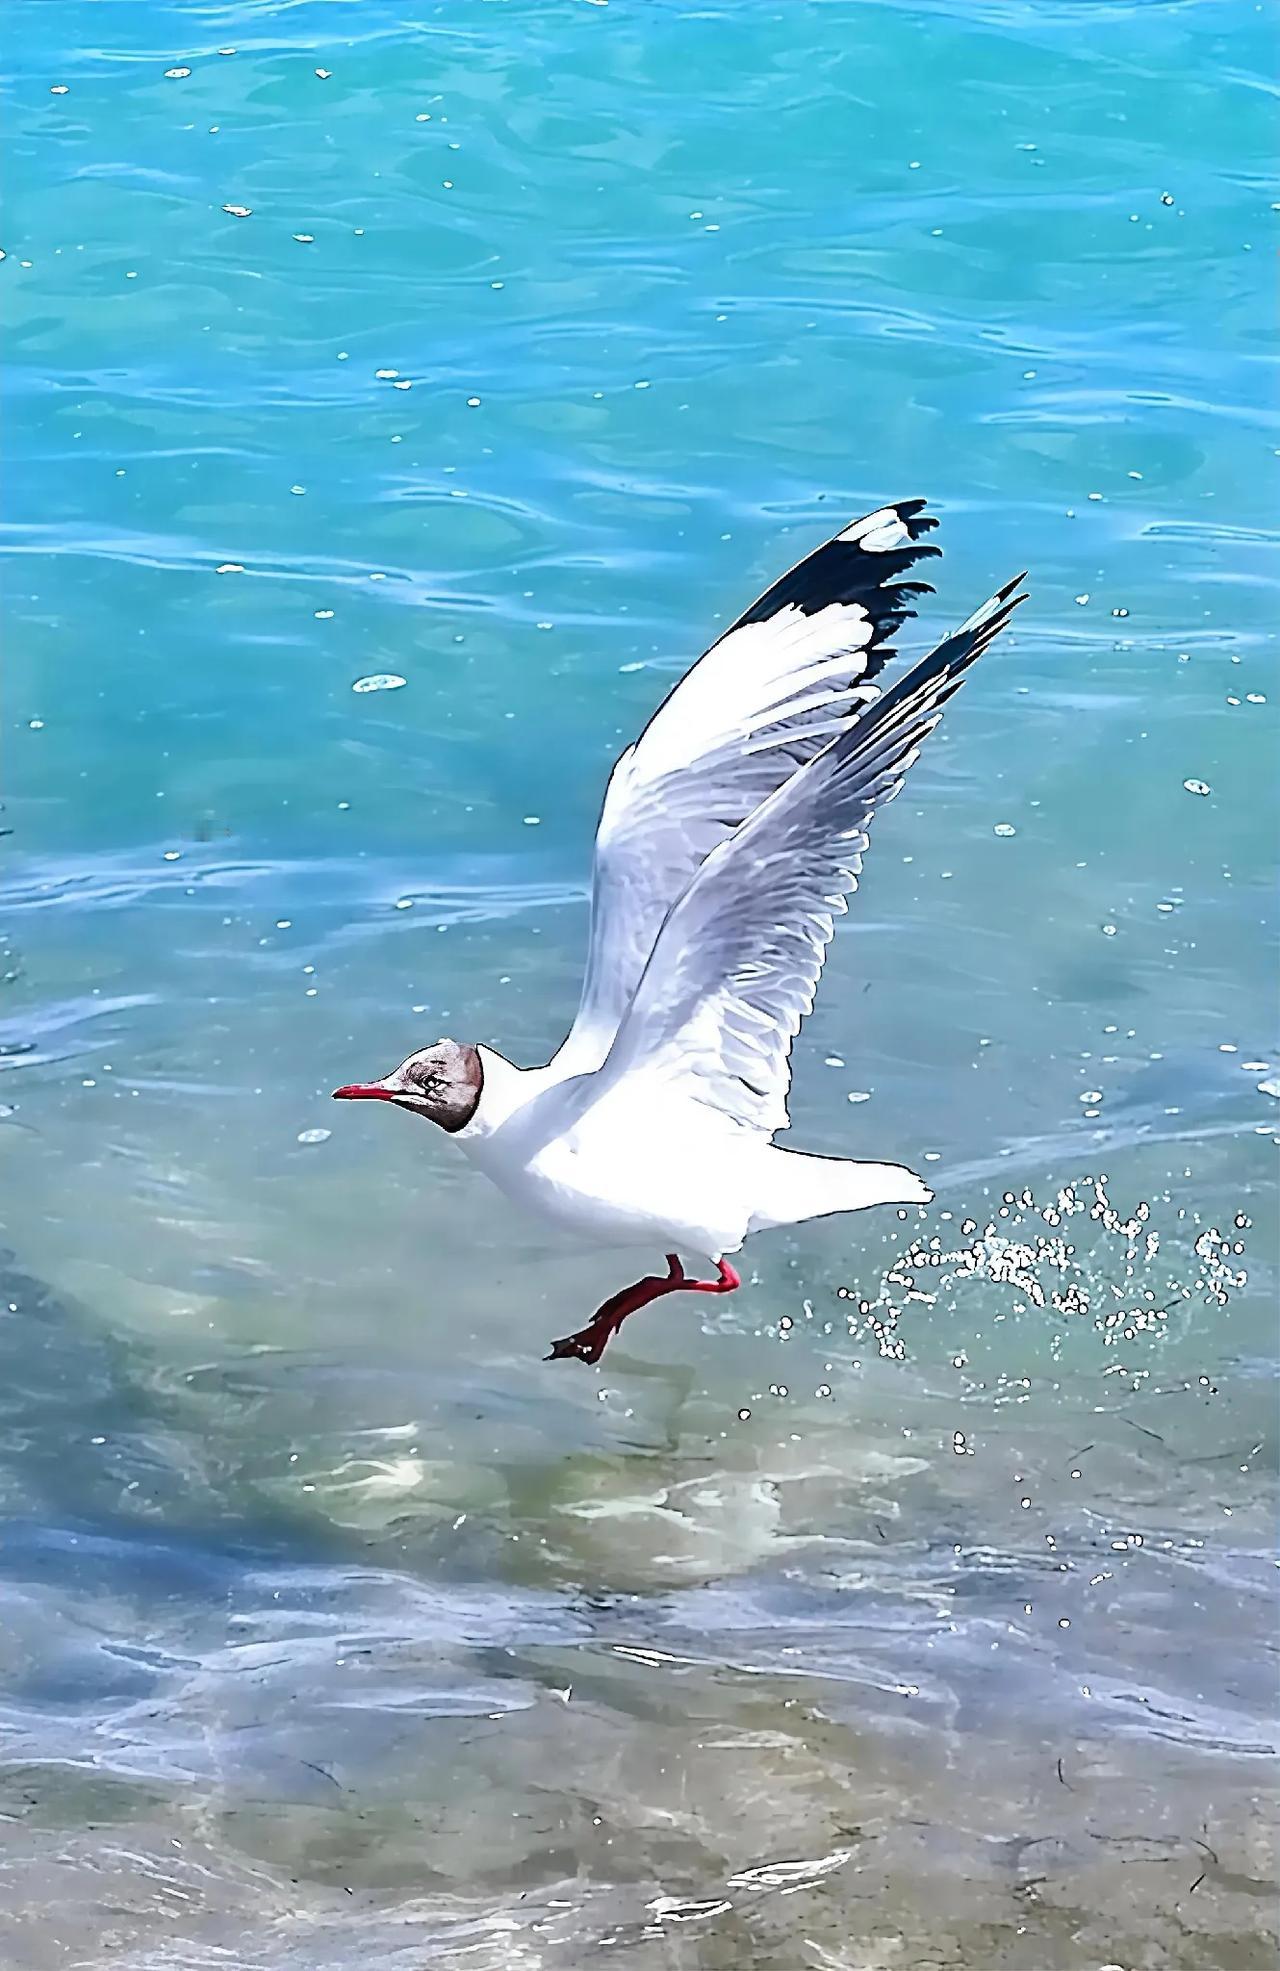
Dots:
(442, 1083)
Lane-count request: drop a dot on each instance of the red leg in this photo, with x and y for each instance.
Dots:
(728, 1281)
(589, 1343)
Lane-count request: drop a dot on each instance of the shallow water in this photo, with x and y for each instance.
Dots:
(339, 1629)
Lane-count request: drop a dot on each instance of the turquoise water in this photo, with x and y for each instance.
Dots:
(338, 1628)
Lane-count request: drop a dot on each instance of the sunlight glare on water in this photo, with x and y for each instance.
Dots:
(394, 407)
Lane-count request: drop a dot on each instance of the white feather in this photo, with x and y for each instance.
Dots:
(766, 698)
(737, 962)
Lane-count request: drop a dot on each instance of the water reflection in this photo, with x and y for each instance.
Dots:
(323, 1665)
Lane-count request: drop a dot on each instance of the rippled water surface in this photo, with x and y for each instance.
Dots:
(886, 1617)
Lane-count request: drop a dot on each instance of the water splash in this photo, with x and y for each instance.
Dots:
(1127, 1280)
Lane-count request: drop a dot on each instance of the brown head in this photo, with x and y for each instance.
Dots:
(442, 1083)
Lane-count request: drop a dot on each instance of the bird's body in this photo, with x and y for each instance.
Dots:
(638, 1163)
(732, 833)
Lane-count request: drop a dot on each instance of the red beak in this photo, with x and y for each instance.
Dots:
(363, 1091)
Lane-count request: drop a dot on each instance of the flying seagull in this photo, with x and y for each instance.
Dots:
(731, 835)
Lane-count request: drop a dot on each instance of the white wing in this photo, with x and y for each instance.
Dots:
(736, 965)
(766, 697)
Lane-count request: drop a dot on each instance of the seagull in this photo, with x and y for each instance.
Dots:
(731, 836)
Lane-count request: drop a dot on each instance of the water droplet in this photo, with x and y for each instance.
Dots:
(380, 681)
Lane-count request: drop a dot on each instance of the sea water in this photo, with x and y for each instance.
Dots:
(396, 402)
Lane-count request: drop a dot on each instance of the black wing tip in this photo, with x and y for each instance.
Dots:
(940, 674)
(844, 571)
(1010, 597)
(897, 606)
(968, 644)
(914, 517)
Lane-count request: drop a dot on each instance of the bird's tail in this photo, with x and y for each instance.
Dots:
(797, 1187)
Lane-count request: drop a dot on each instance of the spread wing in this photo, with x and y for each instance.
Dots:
(736, 965)
(765, 698)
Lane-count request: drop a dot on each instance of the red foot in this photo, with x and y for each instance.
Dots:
(589, 1344)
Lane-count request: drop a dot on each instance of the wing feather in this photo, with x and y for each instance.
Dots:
(768, 695)
(736, 965)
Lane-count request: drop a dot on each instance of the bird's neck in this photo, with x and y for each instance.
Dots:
(505, 1089)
